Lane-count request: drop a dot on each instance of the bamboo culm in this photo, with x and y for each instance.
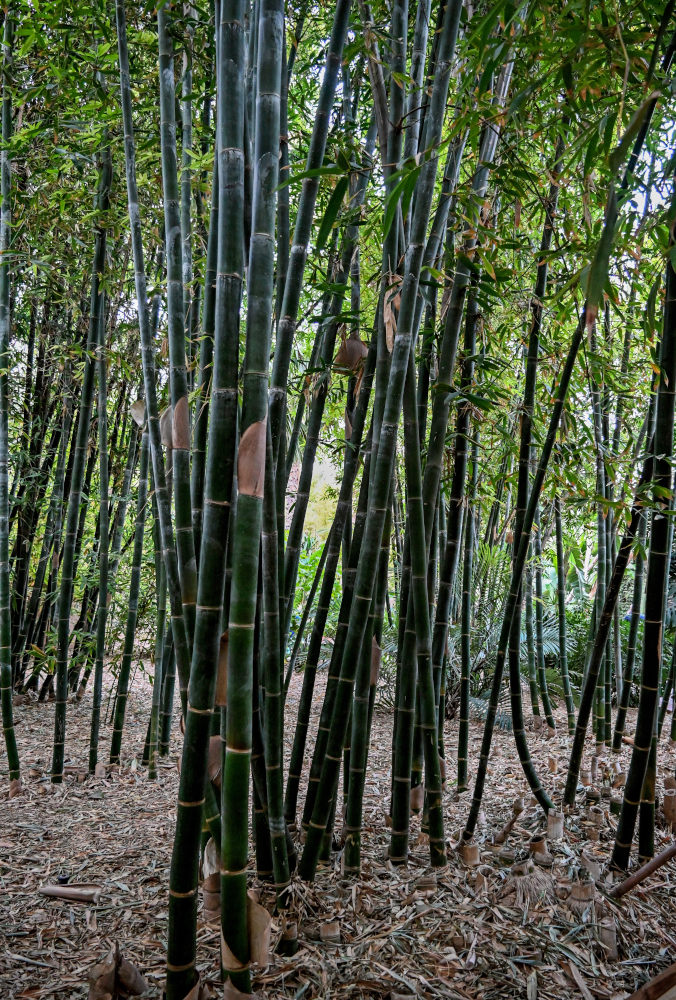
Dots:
(79, 460)
(132, 612)
(5, 230)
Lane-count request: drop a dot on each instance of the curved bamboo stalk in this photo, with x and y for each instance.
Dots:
(658, 565)
(602, 628)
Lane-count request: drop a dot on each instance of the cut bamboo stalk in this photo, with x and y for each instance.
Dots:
(73, 893)
(647, 869)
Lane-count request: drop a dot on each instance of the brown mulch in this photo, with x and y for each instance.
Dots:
(496, 930)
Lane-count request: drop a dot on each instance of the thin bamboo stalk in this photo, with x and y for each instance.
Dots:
(79, 461)
(5, 236)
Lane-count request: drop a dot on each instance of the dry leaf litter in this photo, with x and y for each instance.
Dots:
(505, 922)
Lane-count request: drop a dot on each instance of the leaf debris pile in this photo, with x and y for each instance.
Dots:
(507, 926)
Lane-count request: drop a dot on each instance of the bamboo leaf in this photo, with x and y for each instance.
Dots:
(617, 157)
(331, 212)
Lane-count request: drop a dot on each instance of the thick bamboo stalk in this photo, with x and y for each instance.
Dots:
(230, 54)
(250, 481)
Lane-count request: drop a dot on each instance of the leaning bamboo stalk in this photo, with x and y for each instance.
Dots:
(382, 478)
(350, 468)
(302, 493)
(514, 594)
(602, 629)
(286, 327)
(333, 678)
(523, 485)
(651, 866)
(658, 566)
(586, 320)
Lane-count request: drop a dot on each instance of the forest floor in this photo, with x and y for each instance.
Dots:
(469, 932)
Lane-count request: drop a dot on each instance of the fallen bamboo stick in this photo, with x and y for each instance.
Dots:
(647, 869)
(659, 987)
(73, 893)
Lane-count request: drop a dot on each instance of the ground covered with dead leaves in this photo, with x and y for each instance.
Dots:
(502, 928)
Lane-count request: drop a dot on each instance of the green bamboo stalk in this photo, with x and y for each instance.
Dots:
(286, 326)
(332, 681)
(79, 461)
(178, 380)
(206, 350)
(601, 630)
(180, 644)
(250, 480)
(300, 632)
(466, 625)
(168, 683)
(365, 682)
(561, 604)
(181, 954)
(668, 689)
(104, 543)
(160, 627)
(542, 677)
(151, 750)
(190, 300)
(5, 242)
(132, 611)
(378, 502)
(658, 566)
(273, 705)
(350, 467)
(530, 651)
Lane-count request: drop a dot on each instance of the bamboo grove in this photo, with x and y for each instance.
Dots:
(429, 245)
